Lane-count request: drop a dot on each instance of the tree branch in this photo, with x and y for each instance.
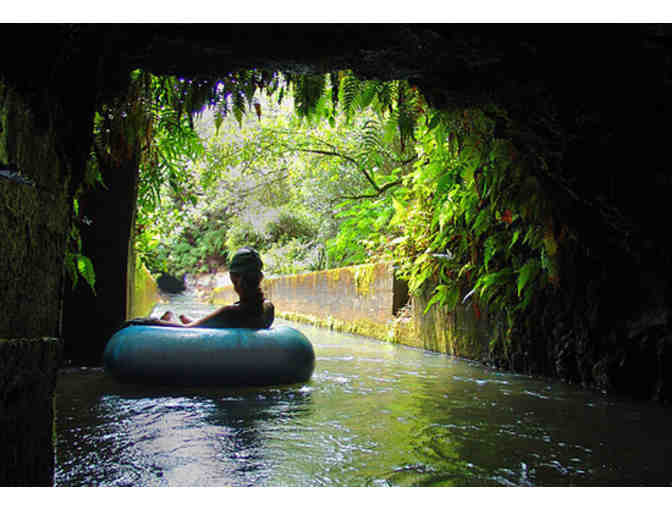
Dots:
(379, 191)
(368, 176)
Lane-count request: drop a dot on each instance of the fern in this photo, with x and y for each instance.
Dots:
(349, 89)
(334, 84)
(308, 90)
(85, 269)
(385, 95)
(405, 114)
(367, 92)
(238, 105)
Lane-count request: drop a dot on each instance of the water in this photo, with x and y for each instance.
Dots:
(373, 414)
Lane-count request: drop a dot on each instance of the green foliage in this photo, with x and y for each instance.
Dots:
(293, 256)
(453, 205)
(290, 225)
(280, 178)
(77, 264)
(474, 219)
(243, 234)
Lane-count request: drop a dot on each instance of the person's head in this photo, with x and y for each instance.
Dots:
(245, 272)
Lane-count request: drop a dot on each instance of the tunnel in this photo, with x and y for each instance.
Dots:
(606, 89)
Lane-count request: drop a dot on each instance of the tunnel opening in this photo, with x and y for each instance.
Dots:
(592, 99)
(573, 112)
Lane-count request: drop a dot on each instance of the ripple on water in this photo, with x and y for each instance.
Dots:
(373, 414)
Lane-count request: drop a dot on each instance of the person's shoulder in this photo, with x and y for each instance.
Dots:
(228, 309)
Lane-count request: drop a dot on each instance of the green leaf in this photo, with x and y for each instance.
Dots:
(516, 234)
(85, 269)
(527, 273)
(490, 250)
(481, 223)
(452, 298)
(435, 299)
(435, 121)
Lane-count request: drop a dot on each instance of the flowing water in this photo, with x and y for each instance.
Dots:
(373, 414)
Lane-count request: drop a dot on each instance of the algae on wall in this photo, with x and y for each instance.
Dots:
(34, 220)
(368, 300)
(35, 213)
(143, 291)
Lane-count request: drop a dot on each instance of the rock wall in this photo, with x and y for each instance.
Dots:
(41, 149)
(467, 332)
(34, 218)
(28, 370)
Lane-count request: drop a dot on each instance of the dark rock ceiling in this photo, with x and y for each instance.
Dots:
(451, 63)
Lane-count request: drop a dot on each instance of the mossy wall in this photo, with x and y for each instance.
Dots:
(367, 300)
(465, 332)
(28, 370)
(33, 220)
(358, 295)
(143, 291)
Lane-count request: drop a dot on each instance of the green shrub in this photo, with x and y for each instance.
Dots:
(242, 234)
(290, 225)
(293, 257)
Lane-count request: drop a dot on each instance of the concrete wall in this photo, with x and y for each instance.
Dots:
(368, 300)
(465, 332)
(143, 292)
(357, 299)
(28, 370)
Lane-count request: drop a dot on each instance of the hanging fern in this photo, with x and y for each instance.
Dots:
(333, 83)
(308, 90)
(385, 95)
(238, 104)
(349, 90)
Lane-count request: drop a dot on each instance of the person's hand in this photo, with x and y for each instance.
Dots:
(168, 316)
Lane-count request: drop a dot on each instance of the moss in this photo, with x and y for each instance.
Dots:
(145, 292)
(34, 221)
(333, 275)
(363, 275)
(3, 126)
(390, 332)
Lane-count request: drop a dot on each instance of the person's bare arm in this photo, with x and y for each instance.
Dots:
(160, 322)
(204, 320)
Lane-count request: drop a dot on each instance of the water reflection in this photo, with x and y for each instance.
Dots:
(373, 414)
(130, 435)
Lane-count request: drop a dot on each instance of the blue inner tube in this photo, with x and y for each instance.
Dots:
(197, 356)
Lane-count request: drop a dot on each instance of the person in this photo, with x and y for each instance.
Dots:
(252, 311)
